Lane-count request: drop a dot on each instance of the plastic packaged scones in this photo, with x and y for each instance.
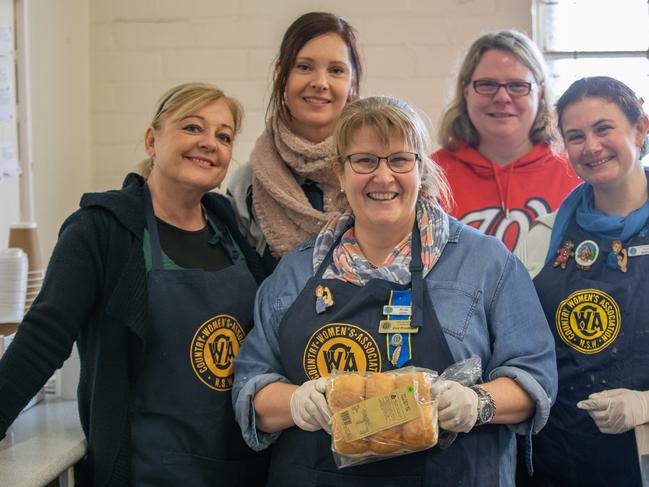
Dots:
(381, 415)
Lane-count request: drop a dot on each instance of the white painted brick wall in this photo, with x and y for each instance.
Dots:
(140, 48)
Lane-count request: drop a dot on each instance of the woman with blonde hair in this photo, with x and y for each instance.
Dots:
(467, 295)
(287, 191)
(497, 136)
(155, 284)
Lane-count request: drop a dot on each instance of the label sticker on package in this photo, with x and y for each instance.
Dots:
(378, 413)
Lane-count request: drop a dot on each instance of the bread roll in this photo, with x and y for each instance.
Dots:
(344, 447)
(421, 432)
(388, 440)
(344, 391)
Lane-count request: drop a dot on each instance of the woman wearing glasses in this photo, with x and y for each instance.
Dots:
(496, 138)
(466, 294)
(286, 193)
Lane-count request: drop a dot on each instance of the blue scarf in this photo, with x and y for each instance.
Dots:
(580, 203)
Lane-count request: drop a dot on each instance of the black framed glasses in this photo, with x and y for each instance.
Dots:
(490, 87)
(399, 162)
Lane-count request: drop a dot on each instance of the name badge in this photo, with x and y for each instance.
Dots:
(638, 250)
(391, 309)
(396, 326)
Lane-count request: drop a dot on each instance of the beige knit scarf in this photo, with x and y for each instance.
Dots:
(283, 211)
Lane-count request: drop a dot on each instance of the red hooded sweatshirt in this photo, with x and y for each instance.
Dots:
(504, 200)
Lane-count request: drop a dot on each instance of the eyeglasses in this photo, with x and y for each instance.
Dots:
(490, 87)
(399, 162)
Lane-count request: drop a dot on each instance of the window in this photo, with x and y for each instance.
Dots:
(595, 37)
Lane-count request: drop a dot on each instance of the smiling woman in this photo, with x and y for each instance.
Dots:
(190, 155)
(287, 191)
(137, 281)
(596, 301)
(394, 240)
(496, 138)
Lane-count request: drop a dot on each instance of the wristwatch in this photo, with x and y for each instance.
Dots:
(486, 406)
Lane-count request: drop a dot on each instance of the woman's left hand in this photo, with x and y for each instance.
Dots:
(617, 410)
(457, 407)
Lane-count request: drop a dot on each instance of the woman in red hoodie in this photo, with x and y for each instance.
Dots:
(496, 138)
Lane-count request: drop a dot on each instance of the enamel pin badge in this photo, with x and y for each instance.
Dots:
(618, 257)
(563, 254)
(323, 299)
(586, 254)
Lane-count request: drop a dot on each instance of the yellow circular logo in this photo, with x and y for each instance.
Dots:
(341, 347)
(212, 351)
(588, 320)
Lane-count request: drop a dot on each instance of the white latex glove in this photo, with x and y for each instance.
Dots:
(309, 408)
(617, 410)
(457, 407)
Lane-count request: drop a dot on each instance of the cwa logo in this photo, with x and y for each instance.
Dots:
(588, 320)
(343, 347)
(215, 345)
(511, 227)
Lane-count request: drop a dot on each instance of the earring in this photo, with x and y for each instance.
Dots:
(342, 190)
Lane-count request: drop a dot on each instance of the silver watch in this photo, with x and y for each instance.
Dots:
(486, 406)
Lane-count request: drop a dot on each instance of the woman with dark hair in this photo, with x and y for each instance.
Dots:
(595, 301)
(285, 194)
(496, 137)
(156, 285)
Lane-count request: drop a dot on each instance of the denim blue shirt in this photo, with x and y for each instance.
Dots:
(486, 305)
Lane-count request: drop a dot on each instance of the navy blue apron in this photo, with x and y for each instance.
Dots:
(346, 337)
(599, 321)
(183, 430)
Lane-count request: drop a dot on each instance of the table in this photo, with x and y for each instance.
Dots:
(42, 445)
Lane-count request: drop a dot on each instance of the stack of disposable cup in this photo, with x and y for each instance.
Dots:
(34, 283)
(25, 236)
(13, 285)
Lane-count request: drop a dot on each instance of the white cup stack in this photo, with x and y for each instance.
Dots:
(13, 285)
(24, 236)
(34, 283)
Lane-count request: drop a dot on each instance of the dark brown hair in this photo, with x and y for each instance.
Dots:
(608, 89)
(302, 30)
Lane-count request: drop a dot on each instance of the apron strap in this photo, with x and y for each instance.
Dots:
(416, 279)
(416, 273)
(327, 260)
(221, 238)
(152, 227)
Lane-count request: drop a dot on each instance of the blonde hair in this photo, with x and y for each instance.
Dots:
(456, 125)
(392, 117)
(184, 99)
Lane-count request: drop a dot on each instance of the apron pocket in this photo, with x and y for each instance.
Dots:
(206, 471)
(332, 479)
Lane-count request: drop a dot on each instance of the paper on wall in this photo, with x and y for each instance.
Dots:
(6, 39)
(7, 105)
(8, 160)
